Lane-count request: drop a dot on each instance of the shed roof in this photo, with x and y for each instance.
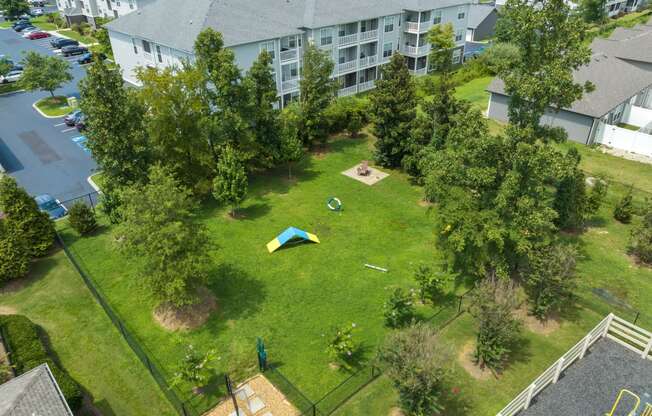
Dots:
(478, 13)
(33, 393)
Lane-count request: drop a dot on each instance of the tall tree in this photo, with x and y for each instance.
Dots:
(173, 98)
(14, 8)
(317, 92)
(24, 218)
(551, 41)
(226, 100)
(264, 117)
(44, 73)
(291, 145)
(116, 128)
(15, 255)
(230, 184)
(159, 229)
(393, 110)
(5, 65)
(593, 11)
(571, 199)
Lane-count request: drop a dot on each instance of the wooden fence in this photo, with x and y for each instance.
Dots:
(619, 330)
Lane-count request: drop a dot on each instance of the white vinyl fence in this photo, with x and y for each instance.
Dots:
(628, 140)
(625, 333)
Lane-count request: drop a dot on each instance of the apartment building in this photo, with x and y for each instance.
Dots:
(77, 11)
(359, 35)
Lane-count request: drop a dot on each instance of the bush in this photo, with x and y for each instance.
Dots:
(341, 345)
(82, 218)
(75, 27)
(347, 114)
(28, 351)
(417, 363)
(15, 256)
(500, 56)
(640, 243)
(431, 284)
(399, 309)
(624, 208)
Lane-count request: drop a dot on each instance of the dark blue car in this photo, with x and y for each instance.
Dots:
(46, 203)
(72, 118)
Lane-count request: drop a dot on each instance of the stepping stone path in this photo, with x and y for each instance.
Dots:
(250, 403)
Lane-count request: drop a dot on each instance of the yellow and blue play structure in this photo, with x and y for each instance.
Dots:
(291, 234)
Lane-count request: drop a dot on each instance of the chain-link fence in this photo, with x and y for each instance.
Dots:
(91, 199)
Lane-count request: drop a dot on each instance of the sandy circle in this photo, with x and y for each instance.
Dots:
(465, 359)
(8, 310)
(532, 324)
(396, 411)
(425, 204)
(188, 317)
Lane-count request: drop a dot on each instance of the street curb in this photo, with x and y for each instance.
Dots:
(11, 92)
(93, 184)
(38, 110)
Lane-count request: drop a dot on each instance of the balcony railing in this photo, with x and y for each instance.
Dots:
(420, 71)
(343, 92)
(289, 55)
(368, 35)
(345, 40)
(412, 27)
(291, 84)
(366, 86)
(367, 61)
(346, 66)
(416, 50)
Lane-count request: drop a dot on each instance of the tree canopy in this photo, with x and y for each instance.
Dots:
(44, 73)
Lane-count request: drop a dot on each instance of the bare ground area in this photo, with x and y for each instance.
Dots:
(188, 317)
(465, 359)
(532, 324)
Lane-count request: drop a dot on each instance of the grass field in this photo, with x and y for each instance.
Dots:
(87, 40)
(475, 92)
(54, 106)
(83, 338)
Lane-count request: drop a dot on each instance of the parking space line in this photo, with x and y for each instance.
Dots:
(68, 130)
(60, 124)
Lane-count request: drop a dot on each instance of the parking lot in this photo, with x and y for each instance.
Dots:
(43, 154)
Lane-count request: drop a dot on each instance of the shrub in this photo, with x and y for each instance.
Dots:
(341, 345)
(640, 243)
(500, 56)
(417, 363)
(28, 351)
(399, 309)
(624, 208)
(550, 279)
(347, 114)
(431, 284)
(82, 218)
(75, 27)
(195, 367)
(14, 253)
(597, 195)
(492, 303)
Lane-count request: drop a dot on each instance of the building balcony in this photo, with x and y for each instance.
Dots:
(415, 50)
(367, 61)
(368, 35)
(289, 85)
(366, 86)
(348, 39)
(420, 71)
(416, 27)
(289, 55)
(346, 66)
(343, 92)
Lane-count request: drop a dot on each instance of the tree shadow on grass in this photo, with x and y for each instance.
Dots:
(455, 401)
(238, 294)
(39, 269)
(520, 352)
(253, 211)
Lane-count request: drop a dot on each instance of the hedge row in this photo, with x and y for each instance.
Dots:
(28, 351)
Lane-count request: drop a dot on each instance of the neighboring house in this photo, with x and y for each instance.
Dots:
(482, 22)
(33, 393)
(621, 71)
(612, 7)
(359, 35)
(78, 11)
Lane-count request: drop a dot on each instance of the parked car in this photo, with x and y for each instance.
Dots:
(38, 35)
(29, 30)
(72, 118)
(46, 203)
(19, 22)
(23, 26)
(37, 3)
(59, 43)
(12, 76)
(87, 58)
(36, 12)
(80, 125)
(73, 50)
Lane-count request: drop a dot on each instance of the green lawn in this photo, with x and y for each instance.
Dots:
(10, 87)
(42, 23)
(5, 25)
(87, 40)
(84, 339)
(290, 298)
(54, 106)
(475, 92)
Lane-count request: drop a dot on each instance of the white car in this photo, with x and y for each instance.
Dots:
(25, 33)
(37, 12)
(12, 76)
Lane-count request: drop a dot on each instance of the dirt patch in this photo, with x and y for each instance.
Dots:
(425, 204)
(320, 152)
(546, 327)
(187, 317)
(8, 310)
(465, 358)
(396, 411)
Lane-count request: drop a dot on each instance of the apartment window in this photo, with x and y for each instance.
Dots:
(159, 55)
(457, 56)
(389, 24)
(326, 36)
(269, 47)
(131, 4)
(436, 17)
(290, 42)
(387, 50)
(461, 12)
(459, 34)
(290, 71)
(147, 47)
(133, 42)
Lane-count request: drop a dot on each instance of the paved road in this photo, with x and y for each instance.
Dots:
(40, 152)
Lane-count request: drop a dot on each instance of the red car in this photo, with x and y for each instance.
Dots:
(38, 35)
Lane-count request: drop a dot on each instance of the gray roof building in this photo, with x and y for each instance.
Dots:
(33, 393)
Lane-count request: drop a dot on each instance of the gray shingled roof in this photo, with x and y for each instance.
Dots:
(479, 12)
(175, 24)
(619, 69)
(33, 393)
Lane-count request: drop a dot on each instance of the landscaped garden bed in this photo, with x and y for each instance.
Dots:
(54, 106)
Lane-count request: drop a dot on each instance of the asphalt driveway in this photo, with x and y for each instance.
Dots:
(41, 153)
